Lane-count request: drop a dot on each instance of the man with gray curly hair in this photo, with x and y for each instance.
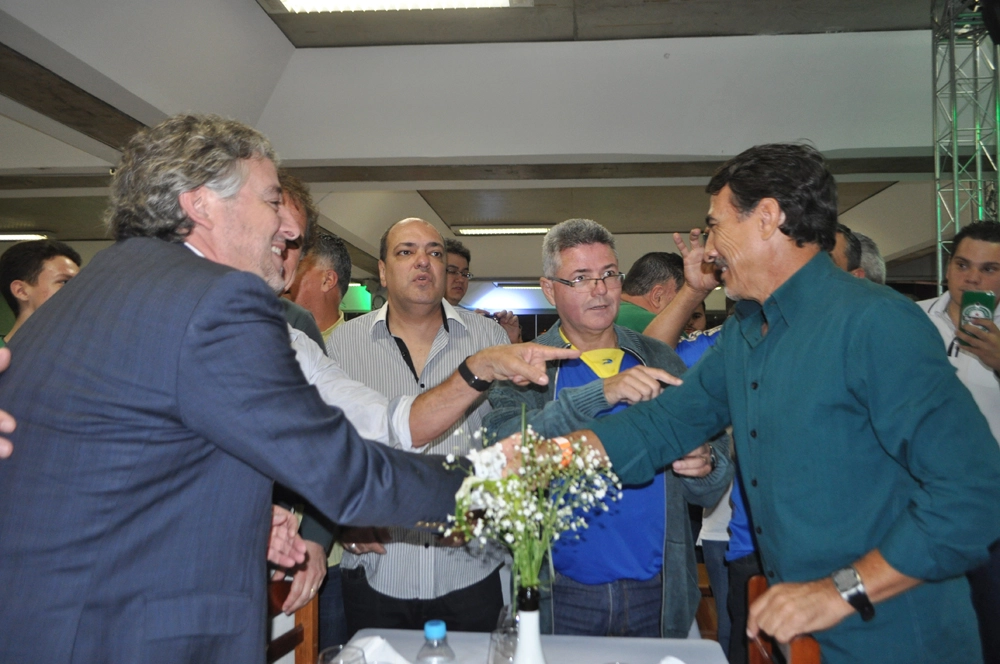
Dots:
(149, 447)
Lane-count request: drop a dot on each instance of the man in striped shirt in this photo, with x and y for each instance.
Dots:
(407, 347)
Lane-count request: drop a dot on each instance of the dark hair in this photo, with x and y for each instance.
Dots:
(797, 177)
(299, 194)
(986, 230)
(330, 249)
(180, 154)
(453, 246)
(24, 262)
(852, 248)
(651, 269)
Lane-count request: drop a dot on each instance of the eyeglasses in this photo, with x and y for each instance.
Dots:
(612, 281)
(454, 271)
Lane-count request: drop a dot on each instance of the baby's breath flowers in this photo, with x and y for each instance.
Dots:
(527, 511)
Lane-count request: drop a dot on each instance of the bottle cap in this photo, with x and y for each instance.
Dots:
(434, 629)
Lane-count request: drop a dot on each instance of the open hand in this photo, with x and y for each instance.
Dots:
(285, 547)
(697, 273)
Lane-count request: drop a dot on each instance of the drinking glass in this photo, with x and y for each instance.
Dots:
(342, 655)
(503, 640)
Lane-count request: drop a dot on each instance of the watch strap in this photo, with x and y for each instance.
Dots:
(853, 591)
(473, 381)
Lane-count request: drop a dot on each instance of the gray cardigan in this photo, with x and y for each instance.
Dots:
(573, 410)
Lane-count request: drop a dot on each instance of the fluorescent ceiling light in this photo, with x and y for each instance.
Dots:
(300, 6)
(21, 237)
(508, 230)
(518, 285)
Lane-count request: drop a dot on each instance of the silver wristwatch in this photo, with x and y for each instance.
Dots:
(849, 585)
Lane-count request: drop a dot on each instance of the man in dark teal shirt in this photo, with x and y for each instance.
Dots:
(871, 475)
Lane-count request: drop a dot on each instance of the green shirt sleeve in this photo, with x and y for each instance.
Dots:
(648, 436)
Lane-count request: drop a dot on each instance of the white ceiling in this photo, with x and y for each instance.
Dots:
(858, 94)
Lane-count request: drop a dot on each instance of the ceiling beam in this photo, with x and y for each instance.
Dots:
(615, 171)
(32, 85)
(511, 172)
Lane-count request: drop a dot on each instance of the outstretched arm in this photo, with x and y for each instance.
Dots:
(437, 409)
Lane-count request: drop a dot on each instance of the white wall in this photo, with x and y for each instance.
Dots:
(580, 100)
(900, 219)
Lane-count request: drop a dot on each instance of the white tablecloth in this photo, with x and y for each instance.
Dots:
(471, 648)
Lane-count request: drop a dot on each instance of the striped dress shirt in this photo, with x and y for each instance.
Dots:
(416, 565)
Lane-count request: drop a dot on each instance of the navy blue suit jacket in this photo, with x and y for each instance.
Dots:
(157, 398)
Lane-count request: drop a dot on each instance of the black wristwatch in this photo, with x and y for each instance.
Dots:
(849, 585)
(474, 381)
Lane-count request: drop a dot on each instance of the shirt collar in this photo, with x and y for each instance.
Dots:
(192, 248)
(448, 313)
(794, 299)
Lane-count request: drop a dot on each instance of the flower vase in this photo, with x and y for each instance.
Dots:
(529, 640)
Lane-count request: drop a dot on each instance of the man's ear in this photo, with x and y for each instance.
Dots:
(381, 274)
(655, 296)
(859, 272)
(19, 289)
(196, 205)
(770, 217)
(546, 285)
(330, 281)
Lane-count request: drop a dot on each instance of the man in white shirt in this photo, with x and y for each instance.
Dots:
(975, 266)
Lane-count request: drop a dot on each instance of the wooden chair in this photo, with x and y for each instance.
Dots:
(707, 615)
(802, 649)
(303, 638)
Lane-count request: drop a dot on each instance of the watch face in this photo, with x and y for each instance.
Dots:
(845, 579)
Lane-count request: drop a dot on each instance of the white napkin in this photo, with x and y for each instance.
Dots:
(669, 659)
(377, 649)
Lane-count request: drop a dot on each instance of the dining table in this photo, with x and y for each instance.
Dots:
(472, 648)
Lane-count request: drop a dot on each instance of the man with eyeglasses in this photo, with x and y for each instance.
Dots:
(458, 275)
(633, 571)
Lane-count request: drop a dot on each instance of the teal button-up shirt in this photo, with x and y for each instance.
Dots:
(853, 433)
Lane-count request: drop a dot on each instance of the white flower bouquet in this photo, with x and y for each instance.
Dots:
(556, 487)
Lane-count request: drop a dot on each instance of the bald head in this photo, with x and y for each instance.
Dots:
(412, 264)
(383, 247)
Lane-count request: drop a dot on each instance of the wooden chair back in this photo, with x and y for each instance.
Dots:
(801, 650)
(303, 638)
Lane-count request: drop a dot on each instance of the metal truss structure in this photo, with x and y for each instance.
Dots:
(966, 121)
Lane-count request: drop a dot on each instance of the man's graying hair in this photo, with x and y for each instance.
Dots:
(652, 269)
(331, 252)
(568, 234)
(871, 259)
(180, 154)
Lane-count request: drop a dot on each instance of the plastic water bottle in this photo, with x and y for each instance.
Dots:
(435, 649)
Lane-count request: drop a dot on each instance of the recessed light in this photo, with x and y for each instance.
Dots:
(305, 6)
(22, 237)
(506, 230)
